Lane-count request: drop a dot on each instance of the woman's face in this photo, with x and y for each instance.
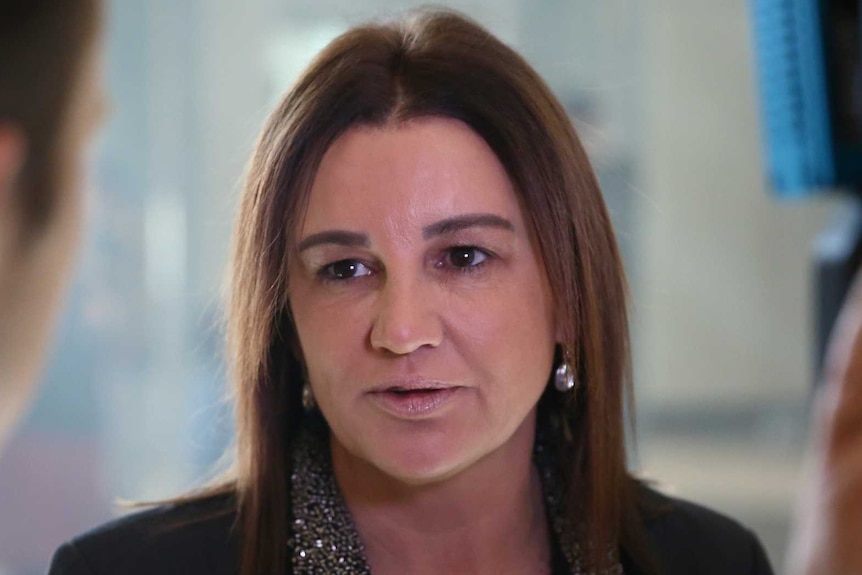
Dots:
(423, 310)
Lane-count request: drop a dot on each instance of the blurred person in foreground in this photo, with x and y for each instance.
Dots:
(51, 101)
(827, 536)
(428, 339)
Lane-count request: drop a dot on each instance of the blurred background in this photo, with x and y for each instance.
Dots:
(663, 94)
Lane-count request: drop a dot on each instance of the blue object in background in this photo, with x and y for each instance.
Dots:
(808, 65)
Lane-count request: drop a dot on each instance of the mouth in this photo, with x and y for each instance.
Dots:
(404, 392)
(414, 399)
(418, 386)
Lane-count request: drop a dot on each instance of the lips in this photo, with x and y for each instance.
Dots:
(414, 399)
(411, 385)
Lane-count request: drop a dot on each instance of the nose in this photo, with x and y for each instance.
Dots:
(407, 317)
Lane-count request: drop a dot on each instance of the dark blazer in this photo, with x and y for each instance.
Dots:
(198, 539)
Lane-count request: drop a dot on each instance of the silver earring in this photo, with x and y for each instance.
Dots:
(564, 377)
(308, 402)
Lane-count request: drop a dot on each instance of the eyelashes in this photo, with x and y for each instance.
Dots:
(464, 258)
(459, 260)
(344, 270)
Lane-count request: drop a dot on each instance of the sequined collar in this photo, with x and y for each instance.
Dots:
(325, 540)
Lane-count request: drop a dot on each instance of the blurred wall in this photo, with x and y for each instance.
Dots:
(722, 313)
(722, 324)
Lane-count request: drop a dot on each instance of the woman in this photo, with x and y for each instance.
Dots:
(429, 341)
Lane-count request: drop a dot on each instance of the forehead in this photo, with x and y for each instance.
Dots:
(409, 173)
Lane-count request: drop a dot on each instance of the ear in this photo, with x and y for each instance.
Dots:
(12, 155)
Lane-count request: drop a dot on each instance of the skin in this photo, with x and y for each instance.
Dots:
(34, 273)
(827, 535)
(471, 308)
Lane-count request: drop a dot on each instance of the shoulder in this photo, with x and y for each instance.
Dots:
(691, 539)
(188, 538)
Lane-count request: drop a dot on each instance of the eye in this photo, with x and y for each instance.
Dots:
(464, 257)
(344, 270)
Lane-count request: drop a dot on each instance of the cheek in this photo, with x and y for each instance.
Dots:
(508, 330)
(515, 307)
(330, 333)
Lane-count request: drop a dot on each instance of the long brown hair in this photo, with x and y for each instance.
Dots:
(431, 63)
(42, 48)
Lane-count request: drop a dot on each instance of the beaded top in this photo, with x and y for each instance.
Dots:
(325, 540)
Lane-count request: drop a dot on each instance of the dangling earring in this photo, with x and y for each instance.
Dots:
(308, 403)
(564, 377)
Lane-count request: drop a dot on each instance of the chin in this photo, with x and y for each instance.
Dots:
(424, 461)
(417, 475)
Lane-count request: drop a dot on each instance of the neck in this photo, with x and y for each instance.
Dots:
(489, 518)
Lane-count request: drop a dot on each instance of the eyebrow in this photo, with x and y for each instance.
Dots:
(458, 223)
(337, 237)
(443, 227)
